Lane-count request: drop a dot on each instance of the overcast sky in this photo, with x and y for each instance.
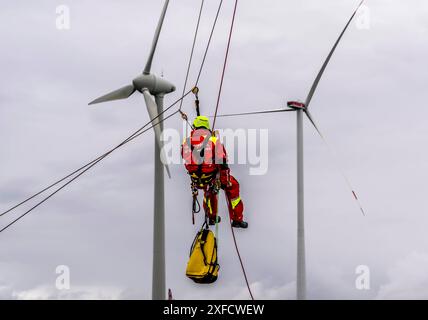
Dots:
(370, 105)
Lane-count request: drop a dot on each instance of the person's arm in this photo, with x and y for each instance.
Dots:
(221, 155)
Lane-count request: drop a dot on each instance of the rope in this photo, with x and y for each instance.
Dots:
(205, 52)
(79, 175)
(130, 138)
(196, 206)
(225, 62)
(192, 50)
(240, 260)
(133, 135)
(183, 115)
(216, 228)
(254, 112)
(209, 42)
(215, 116)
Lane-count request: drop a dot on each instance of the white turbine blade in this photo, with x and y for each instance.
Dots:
(155, 39)
(320, 73)
(121, 93)
(311, 119)
(152, 109)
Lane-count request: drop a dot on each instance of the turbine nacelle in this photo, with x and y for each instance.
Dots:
(296, 105)
(156, 85)
(149, 85)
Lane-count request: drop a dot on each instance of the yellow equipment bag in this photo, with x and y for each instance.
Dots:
(203, 266)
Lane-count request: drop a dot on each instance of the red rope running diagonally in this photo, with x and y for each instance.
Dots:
(225, 63)
(215, 116)
(242, 264)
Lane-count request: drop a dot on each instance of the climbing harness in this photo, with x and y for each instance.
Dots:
(213, 187)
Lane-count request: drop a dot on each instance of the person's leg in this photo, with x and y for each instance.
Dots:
(234, 201)
(210, 204)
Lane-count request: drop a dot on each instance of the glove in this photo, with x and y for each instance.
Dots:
(225, 178)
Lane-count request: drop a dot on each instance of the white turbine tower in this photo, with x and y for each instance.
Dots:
(151, 85)
(302, 108)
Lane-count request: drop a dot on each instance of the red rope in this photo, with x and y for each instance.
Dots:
(225, 62)
(215, 116)
(242, 264)
(239, 255)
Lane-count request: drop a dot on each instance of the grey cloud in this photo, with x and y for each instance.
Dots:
(370, 105)
(407, 279)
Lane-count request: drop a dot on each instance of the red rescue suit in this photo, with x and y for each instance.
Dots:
(205, 159)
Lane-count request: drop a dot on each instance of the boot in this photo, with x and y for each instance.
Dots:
(212, 221)
(240, 224)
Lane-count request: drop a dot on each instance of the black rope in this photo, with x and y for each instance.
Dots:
(192, 50)
(130, 138)
(225, 63)
(209, 42)
(133, 135)
(204, 56)
(205, 52)
(196, 206)
(79, 175)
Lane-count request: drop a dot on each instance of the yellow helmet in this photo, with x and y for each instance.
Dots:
(201, 121)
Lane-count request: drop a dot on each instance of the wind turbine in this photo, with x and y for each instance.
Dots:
(151, 85)
(303, 108)
(300, 109)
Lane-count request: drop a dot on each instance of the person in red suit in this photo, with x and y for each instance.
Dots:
(205, 159)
